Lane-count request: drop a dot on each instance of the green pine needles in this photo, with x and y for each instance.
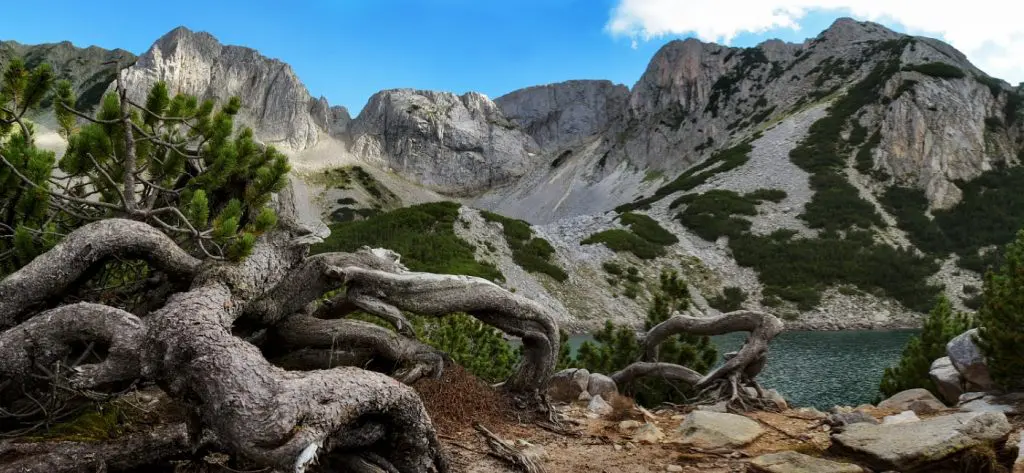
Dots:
(1001, 318)
(173, 162)
(941, 326)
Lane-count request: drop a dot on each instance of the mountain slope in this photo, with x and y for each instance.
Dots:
(841, 182)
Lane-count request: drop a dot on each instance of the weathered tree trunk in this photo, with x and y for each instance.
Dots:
(261, 412)
(726, 382)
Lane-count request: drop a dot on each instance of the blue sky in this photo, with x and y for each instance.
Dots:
(348, 49)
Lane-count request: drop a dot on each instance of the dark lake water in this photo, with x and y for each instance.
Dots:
(821, 369)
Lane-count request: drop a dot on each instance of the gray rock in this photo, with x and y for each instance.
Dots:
(275, 103)
(793, 462)
(598, 406)
(904, 447)
(601, 385)
(919, 400)
(558, 115)
(1018, 465)
(714, 430)
(968, 359)
(985, 402)
(452, 144)
(947, 379)
(568, 384)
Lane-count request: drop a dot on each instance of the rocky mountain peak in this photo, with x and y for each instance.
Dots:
(559, 115)
(275, 103)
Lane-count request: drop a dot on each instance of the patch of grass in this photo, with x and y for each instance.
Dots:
(653, 175)
(621, 240)
(732, 298)
(940, 70)
(612, 268)
(423, 234)
(647, 228)
(711, 214)
(530, 252)
(770, 195)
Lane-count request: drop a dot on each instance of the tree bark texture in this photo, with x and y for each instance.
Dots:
(257, 410)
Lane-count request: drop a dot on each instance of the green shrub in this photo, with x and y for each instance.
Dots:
(423, 234)
(1001, 318)
(620, 240)
(941, 325)
(837, 205)
(770, 195)
(474, 345)
(732, 298)
(647, 228)
(531, 253)
(937, 69)
(799, 269)
(865, 159)
(612, 268)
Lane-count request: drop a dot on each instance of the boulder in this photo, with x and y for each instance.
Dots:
(910, 447)
(793, 462)
(985, 402)
(968, 359)
(568, 384)
(601, 385)
(904, 417)
(919, 400)
(947, 379)
(599, 406)
(648, 433)
(809, 413)
(713, 430)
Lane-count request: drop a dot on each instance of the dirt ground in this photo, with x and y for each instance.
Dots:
(597, 445)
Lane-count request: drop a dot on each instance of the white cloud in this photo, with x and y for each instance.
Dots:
(989, 32)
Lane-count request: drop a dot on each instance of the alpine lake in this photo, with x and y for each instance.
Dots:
(820, 369)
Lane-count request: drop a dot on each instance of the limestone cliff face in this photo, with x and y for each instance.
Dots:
(275, 103)
(558, 115)
(456, 145)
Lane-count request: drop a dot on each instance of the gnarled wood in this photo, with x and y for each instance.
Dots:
(52, 273)
(133, 451)
(727, 380)
(439, 295)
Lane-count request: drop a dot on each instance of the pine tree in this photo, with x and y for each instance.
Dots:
(26, 224)
(1001, 317)
(941, 325)
(184, 169)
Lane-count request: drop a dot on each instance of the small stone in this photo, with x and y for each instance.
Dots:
(599, 406)
(566, 385)
(674, 468)
(617, 447)
(677, 417)
(648, 433)
(627, 426)
(584, 396)
(810, 413)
